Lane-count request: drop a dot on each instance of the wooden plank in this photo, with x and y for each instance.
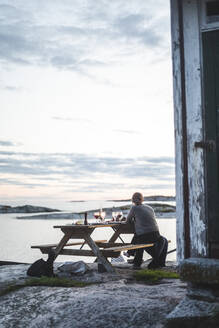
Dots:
(107, 244)
(128, 247)
(102, 225)
(114, 236)
(69, 226)
(82, 226)
(68, 244)
(55, 245)
(77, 231)
(103, 260)
(62, 243)
(177, 62)
(87, 252)
(198, 189)
(83, 252)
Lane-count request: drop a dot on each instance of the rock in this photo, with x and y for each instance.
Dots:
(25, 209)
(70, 216)
(161, 210)
(194, 313)
(200, 270)
(148, 198)
(78, 268)
(114, 303)
(200, 307)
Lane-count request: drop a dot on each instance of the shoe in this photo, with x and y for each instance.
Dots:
(136, 267)
(126, 254)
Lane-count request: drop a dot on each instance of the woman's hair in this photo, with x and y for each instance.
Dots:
(137, 198)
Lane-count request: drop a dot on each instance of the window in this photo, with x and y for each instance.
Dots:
(209, 14)
(212, 11)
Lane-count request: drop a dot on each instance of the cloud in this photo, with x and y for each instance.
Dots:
(7, 143)
(70, 119)
(10, 88)
(77, 167)
(100, 187)
(73, 172)
(75, 36)
(14, 182)
(126, 131)
(134, 27)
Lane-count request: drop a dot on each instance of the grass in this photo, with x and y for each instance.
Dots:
(44, 281)
(55, 282)
(154, 276)
(10, 288)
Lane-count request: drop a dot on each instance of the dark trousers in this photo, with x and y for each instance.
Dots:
(158, 252)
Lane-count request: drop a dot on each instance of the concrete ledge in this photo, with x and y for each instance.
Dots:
(194, 314)
(200, 271)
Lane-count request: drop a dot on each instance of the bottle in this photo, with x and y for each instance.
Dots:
(85, 219)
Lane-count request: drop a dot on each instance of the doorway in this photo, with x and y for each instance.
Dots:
(211, 118)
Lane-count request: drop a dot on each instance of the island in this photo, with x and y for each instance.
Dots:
(157, 198)
(4, 209)
(161, 210)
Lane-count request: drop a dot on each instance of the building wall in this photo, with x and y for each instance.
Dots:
(179, 164)
(186, 52)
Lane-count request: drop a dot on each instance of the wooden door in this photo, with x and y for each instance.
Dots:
(211, 118)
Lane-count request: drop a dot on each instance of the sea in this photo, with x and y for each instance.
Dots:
(17, 235)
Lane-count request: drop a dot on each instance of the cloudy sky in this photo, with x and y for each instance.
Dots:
(86, 99)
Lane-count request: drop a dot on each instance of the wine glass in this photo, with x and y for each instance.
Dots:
(114, 214)
(96, 215)
(119, 216)
(102, 215)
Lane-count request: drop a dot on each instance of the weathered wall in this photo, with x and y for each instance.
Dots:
(192, 50)
(188, 98)
(176, 60)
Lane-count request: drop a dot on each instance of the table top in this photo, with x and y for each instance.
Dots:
(89, 226)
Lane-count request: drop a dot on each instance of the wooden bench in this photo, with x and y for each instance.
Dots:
(115, 247)
(68, 244)
(128, 247)
(109, 249)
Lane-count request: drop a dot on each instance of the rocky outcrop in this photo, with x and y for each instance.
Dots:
(113, 303)
(158, 198)
(200, 307)
(25, 209)
(51, 216)
(161, 211)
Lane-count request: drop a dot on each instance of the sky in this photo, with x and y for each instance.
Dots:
(85, 99)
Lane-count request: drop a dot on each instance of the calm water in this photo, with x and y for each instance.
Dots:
(17, 236)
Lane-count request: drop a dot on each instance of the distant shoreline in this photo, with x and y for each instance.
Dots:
(6, 209)
(147, 198)
(161, 211)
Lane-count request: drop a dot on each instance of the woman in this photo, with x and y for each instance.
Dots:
(146, 232)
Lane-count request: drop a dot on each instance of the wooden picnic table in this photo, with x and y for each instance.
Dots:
(101, 249)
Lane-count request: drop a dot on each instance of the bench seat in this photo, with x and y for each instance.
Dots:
(68, 244)
(128, 247)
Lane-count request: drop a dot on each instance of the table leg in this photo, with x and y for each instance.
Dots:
(120, 238)
(101, 258)
(82, 245)
(62, 243)
(114, 236)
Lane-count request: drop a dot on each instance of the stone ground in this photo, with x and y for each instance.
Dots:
(115, 300)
